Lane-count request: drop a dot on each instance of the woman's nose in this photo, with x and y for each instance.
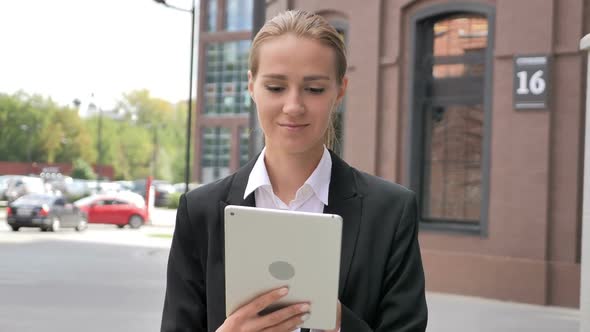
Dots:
(293, 104)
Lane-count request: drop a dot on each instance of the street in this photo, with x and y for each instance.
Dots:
(103, 279)
(109, 279)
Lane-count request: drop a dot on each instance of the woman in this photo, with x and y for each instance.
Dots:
(297, 79)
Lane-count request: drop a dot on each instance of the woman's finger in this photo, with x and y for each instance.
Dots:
(263, 301)
(288, 325)
(280, 316)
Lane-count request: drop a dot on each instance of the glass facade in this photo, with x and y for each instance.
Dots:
(453, 119)
(215, 153)
(211, 15)
(238, 15)
(226, 83)
(244, 146)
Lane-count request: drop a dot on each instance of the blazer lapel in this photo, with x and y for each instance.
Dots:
(345, 201)
(235, 195)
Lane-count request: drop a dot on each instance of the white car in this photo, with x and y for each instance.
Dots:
(21, 185)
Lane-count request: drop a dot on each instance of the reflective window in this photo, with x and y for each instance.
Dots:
(226, 79)
(238, 15)
(453, 119)
(215, 153)
(244, 145)
(212, 15)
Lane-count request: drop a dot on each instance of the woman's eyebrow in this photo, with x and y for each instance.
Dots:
(306, 78)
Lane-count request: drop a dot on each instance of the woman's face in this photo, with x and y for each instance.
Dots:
(295, 90)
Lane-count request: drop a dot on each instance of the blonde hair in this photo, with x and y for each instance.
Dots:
(307, 25)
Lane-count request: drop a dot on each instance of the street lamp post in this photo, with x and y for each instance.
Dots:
(585, 250)
(190, 92)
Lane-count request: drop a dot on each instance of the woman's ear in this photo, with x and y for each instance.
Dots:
(342, 90)
(251, 85)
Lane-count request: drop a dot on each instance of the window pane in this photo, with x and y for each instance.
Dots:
(216, 146)
(452, 163)
(226, 88)
(453, 120)
(238, 15)
(244, 145)
(212, 15)
(460, 34)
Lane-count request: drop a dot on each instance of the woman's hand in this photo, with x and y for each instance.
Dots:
(246, 319)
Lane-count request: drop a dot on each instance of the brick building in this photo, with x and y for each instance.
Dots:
(432, 104)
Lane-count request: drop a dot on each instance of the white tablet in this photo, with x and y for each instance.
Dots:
(266, 249)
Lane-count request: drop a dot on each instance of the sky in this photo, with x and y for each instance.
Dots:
(67, 49)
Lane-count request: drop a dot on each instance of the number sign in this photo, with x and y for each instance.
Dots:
(531, 82)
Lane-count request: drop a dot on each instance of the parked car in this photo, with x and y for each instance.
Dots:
(161, 188)
(125, 208)
(21, 185)
(47, 212)
(4, 179)
(162, 191)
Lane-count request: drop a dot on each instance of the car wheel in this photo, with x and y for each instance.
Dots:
(135, 221)
(15, 228)
(120, 226)
(82, 225)
(55, 224)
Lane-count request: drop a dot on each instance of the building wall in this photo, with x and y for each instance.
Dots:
(233, 123)
(531, 250)
(530, 253)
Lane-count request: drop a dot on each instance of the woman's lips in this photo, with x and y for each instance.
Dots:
(293, 126)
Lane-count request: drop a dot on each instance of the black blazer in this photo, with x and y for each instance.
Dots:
(381, 274)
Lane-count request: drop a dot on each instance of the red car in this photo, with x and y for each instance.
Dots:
(114, 209)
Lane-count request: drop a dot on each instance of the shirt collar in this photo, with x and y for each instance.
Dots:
(319, 180)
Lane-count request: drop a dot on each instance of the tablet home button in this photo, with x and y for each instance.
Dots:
(281, 270)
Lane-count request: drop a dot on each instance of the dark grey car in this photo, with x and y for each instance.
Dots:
(49, 213)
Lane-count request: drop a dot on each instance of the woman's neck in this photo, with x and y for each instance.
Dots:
(288, 172)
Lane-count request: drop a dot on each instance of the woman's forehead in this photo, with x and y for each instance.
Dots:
(288, 55)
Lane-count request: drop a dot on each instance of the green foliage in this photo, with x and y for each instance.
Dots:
(149, 140)
(82, 170)
(37, 129)
(173, 200)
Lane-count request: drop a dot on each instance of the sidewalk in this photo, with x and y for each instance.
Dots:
(163, 217)
(454, 313)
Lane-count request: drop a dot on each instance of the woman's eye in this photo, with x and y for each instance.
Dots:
(316, 91)
(273, 88)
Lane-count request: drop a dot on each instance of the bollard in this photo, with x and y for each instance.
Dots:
(585, 260)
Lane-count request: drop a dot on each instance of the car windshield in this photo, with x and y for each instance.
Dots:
(34, 200)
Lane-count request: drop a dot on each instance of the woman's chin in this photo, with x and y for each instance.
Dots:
(296, 147)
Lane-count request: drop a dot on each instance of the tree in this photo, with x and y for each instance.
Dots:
(35, 128)
(159, 120)
(82, 170)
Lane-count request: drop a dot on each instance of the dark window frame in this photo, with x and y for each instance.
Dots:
(414, 152)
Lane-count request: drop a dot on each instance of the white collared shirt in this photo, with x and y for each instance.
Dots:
(311, 197)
